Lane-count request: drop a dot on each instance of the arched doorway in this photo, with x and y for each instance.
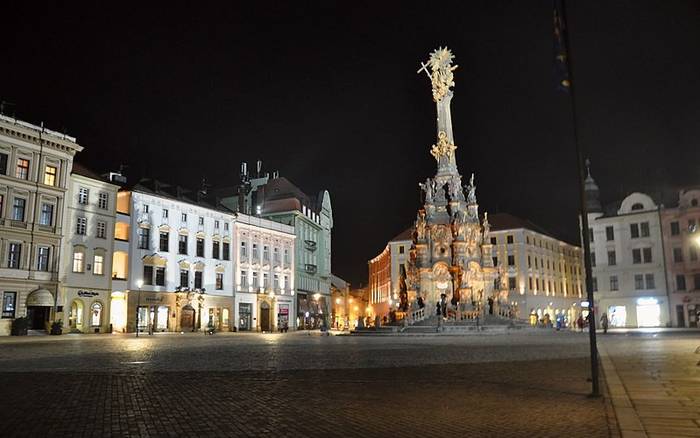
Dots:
(75, 317)
(265, 323)
(187, 318)
(39, 304)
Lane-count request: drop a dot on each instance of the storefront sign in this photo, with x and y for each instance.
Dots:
(153, 299)
(647, 301)
(284, 309)
(87, 293)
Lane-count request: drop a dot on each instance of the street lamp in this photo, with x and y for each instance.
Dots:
(139, 284)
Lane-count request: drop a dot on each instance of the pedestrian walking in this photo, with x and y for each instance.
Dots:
(604, 322)
(579, 323)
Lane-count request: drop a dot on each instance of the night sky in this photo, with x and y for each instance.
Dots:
(327, 93)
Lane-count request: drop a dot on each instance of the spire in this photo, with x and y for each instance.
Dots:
(442, 80)
(592, 192)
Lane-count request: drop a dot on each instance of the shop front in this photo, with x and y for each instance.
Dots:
(635, 312)
(311, 311)
(86, 310)
(244, 316)
(285, 308)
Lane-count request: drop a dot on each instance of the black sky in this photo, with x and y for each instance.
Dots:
(327, 93)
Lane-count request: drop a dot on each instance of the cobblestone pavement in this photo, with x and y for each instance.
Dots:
(526, 384)
(654, 383)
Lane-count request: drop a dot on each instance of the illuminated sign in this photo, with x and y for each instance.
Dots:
(647, 301)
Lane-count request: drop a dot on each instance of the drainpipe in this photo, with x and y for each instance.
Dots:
(663, 251)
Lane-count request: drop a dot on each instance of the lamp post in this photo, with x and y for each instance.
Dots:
(139, 284)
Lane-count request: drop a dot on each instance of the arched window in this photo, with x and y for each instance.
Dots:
(96, 314)
(637, 206)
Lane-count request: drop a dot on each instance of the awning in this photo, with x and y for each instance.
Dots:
(40, 297)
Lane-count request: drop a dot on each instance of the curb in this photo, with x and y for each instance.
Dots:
(628, 421)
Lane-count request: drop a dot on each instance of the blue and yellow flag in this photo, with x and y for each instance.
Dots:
(561, 57)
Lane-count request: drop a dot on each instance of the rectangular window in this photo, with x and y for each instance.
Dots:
(590, 235)
(144, 238)
(592, 259)
(636, 256)
(286, 282)
(511, 260)
(609, 233)
(3, 165)
(50, 175)
(696, 280)
(693, 252)
(677, 255)
(165, 213)
(78, 261)
(22, 171)
(215, 249)
(145, 208)
(2, 203)
(646, 252)
(493, 241)
(98, 265)
(219, 281)
(182, 244)
(46, 217)
(645, 229)
(216, 224)
(529, 262)
(148, 275)
(9, 300)
(101, 230)
(595, 284)
(184, 278)
(255, 251)
(81, 225)
(634, 230)
(680, 282)
(650, 281)
(511, 283)
(227, 251)
(266, 253)
(286, 256)
(675, 228)
(14, 255)
(255, 280)
(160, 276)
(638, 281)
(266, 280)
(244, 279)
(614, 283)
(43, 259)
(244, 250)
(103, 201)
(18, 209)
(691, 225)
(495, 260)
(201, 220)
(183, 217)
(612, 260)
(509, 239)
(276, 281)
(197, 279)
(83, 195)
(200, 247)
(164, 241)
(530, 282)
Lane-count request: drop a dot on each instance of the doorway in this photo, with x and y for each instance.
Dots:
(680, 315)
(265, 317)
(187, 319)
(648, 315)
(75, 317)
(38, 317)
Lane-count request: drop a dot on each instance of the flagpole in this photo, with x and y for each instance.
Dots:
(585, 238)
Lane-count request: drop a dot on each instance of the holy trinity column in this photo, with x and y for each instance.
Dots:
(450, 268)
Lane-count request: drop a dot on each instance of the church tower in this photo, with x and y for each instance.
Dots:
(451, 267)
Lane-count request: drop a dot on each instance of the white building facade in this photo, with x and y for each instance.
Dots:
(544, 275)
(264, 275)
(35, 165)
(172, 261)
(627, 258)
(85, 271)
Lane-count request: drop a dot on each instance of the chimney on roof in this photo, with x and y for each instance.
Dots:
(259, 167)
(156, 185)
(178, 192)
(117, 178)
(244, 171)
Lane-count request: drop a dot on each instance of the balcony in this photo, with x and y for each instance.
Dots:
(310, 245)
(310, 269)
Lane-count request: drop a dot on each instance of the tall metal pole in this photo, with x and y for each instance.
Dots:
(585, 238)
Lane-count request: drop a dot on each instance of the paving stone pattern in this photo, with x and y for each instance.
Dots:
(408, 391)
(656, 390)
